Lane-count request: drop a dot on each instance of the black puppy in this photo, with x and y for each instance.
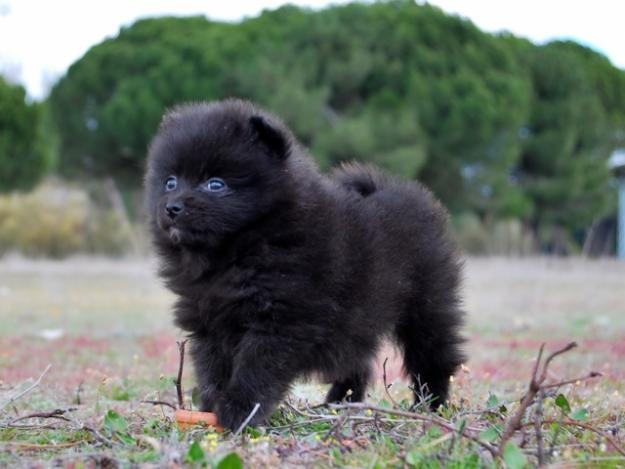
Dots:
(282, 272)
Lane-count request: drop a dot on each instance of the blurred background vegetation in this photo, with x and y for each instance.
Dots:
(513, 137)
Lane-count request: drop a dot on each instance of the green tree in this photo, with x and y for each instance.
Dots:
(567, 141)
(110, 102)
(495, 125)
(23, 156)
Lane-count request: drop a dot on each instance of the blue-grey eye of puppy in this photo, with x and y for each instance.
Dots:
(171, 183)
(214, 185)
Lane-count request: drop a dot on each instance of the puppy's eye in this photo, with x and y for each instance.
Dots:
(215, 185)
(171, 183)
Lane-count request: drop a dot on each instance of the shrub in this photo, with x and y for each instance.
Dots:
(501, 237)
(56, 220)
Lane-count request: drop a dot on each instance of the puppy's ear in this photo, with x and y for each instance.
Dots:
(272, 138)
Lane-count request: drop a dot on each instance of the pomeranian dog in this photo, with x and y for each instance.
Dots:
(282, 272)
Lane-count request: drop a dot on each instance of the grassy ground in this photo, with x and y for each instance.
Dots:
(104, 327)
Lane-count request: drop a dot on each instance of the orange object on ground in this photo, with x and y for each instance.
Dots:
(189, 418)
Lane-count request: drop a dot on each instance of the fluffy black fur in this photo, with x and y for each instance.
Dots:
(288, 273)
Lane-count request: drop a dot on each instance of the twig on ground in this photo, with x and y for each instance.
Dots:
(317, 406)
(566, 348)
(300, 424)
(515, 421)
(247, 420)
(423, 396)
(437, 441)
(386, 385)
(556, 434)
(336, 428)
(55, 414)
(149, 441)
(376, 422)
(538, 417)
(577, 423)
(460, 432)
(98, 436)
(181, 347)
(422, 417)
(535, 384)
(60, 414)
(77, 399)
(168, 404)
(591, 375)
(14, 445)
(309, 414)
(27, 390)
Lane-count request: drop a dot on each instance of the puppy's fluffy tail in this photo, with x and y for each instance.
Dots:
(360, 178)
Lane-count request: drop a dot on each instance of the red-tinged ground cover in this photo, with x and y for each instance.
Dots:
(104, 326)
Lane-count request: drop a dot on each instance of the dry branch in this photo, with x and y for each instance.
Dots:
(55, 414)
(537, 385)
(181, 346)
(27, 390)
(247, 420)
(576, 423)
(165, 403)
(538, 418)
(421, 417)
(19, 446)
(386, 385)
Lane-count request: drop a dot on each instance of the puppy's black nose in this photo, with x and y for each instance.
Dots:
(173, 209)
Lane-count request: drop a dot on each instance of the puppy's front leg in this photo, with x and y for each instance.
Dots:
(262, 371)
(212, 369)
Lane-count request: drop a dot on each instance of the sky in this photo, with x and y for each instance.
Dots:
(40, 39)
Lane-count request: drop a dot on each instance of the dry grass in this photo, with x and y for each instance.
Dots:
(104, 326)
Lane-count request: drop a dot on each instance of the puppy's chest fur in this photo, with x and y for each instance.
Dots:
(256, 287)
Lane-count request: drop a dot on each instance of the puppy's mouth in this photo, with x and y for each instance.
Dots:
(175, 234)
(170, 229)
(183, 236)
(179, 233)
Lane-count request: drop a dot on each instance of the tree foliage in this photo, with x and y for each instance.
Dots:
(23, 158)
(567, 139)
(493, 124)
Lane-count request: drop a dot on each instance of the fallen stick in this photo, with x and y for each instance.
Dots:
(27, 390)
(422, 417)
(168, 404)
(247, 420)
(55, 414)
(181, 346)
(575, 423)
(37, 447)
(387, 386)
(537, 385)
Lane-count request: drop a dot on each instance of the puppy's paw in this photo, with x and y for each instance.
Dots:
(232, 413)
(207, 397)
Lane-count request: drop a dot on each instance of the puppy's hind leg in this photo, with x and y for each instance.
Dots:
(429, 335)
(352, 389)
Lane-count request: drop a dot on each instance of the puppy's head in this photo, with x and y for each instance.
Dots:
(214, 169)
